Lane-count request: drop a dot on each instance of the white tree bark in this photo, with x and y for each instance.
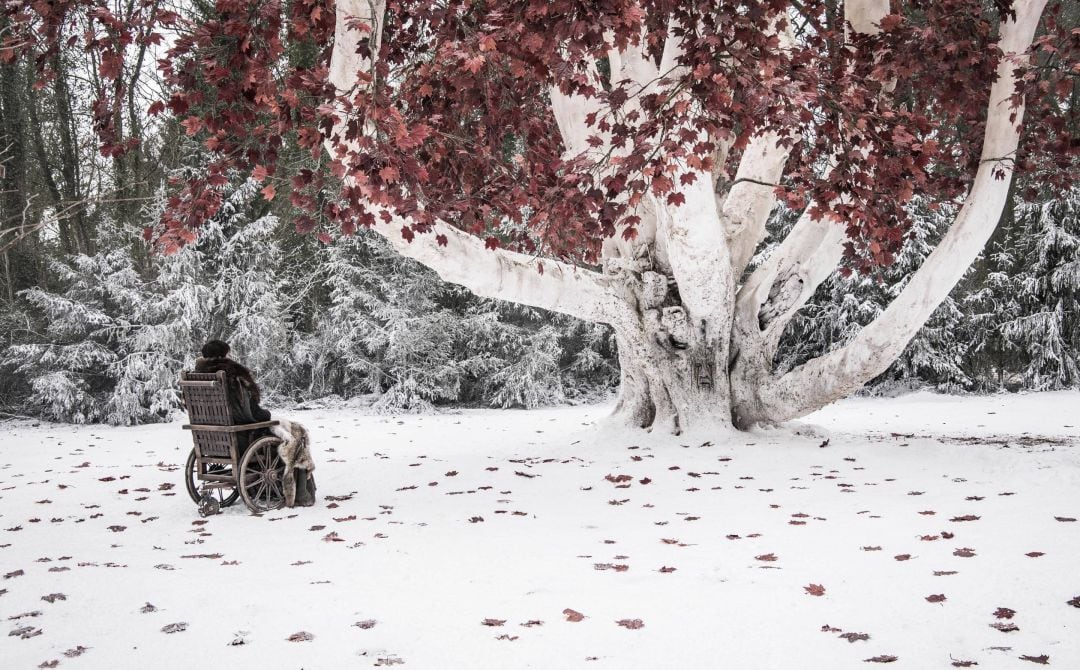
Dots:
(840, 372)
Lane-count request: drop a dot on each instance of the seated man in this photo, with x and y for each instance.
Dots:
(244, 397)
(243, 392)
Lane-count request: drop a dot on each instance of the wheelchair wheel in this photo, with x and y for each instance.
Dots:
(262, 475)
(223, 496)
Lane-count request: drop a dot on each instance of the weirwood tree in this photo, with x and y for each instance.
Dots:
(617, 160)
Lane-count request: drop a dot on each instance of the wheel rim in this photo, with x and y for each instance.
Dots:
(224, 496)
(262, 476)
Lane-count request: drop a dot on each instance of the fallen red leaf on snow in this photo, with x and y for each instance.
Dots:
(493, 622)
(880, 659)
(936, 598)
(815, 589)
(631, 624)
(573, 615)
(302, 636)
(1041, 660)
(1004, 613)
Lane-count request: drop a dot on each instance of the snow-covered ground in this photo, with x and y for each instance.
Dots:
(925, 528)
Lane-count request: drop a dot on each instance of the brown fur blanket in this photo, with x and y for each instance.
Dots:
(296, 452)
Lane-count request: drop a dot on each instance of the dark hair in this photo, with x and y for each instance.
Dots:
(215, 349)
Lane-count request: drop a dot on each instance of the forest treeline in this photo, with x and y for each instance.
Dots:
(96, 326)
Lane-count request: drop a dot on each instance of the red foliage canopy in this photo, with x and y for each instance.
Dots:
(456, 123)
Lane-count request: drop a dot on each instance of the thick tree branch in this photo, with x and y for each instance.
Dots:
(752, 194)
(838, 373)
(462, 258)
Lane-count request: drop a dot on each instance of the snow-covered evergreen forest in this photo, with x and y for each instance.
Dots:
(95, 326)
(102, 336)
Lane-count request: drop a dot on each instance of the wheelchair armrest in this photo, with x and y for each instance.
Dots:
(243, 428)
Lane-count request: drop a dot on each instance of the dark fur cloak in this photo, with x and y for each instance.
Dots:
(244, 394)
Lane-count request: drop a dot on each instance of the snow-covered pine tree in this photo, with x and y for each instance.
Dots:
(167, 325)
(394, 330)
(1040, 328)
(70, 367)
(243, 266)
(842, 306)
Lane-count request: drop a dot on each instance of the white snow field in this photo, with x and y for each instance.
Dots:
(928, 532)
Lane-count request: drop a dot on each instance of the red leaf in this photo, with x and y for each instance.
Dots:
(1004, 613)
(259, 173)
(676, 199)
(573, 615)
(884, 658)
(936, 598)
(268, 191)
(815, 589)
(441, 240)
(661, 185)
(766, 557)
(389, 174)
(631, 624)
(1041, 660)
(493, 622)
(157, 107)
(192, 124)
(474, 64)
(964, 552)
(302, 636)
(491, 242)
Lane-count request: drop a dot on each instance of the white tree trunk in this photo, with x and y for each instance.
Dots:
(837, 374)
(695, 349)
